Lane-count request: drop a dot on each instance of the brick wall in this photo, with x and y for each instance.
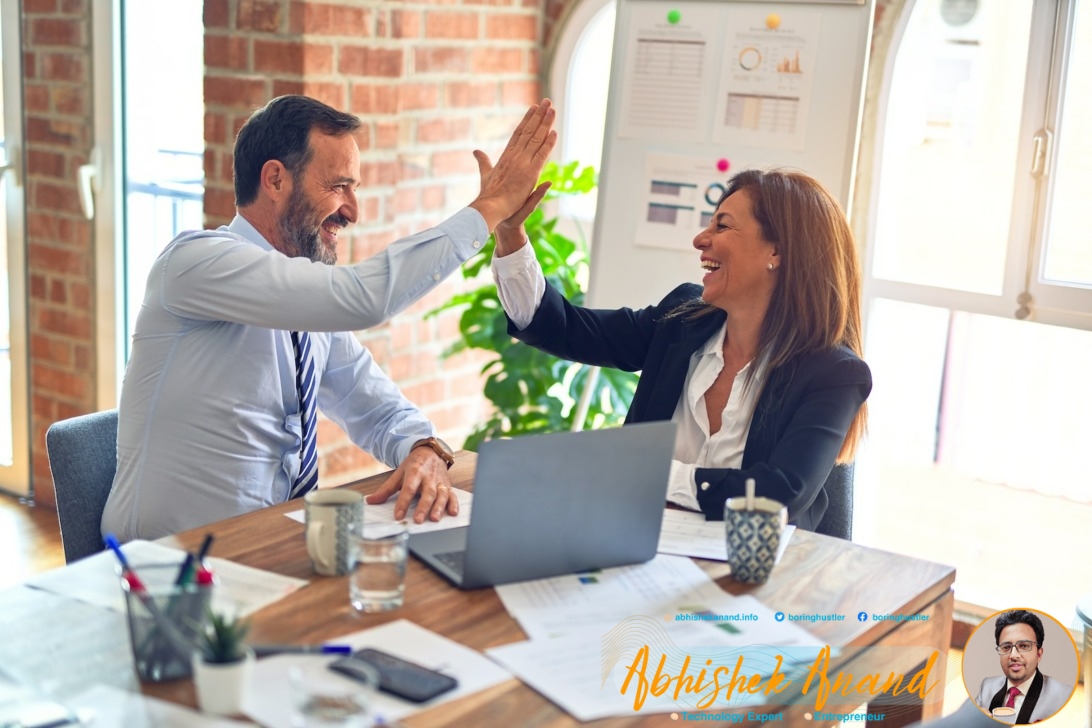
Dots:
(57, 72)
(431, 81)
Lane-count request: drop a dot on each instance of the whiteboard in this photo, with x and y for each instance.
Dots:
(700, 90)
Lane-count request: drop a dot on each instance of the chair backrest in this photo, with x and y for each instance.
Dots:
(838, 520)
(83, 455)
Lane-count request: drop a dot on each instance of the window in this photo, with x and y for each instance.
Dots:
(979, 295)
(14, 415)
(148, 170)
(579, 78)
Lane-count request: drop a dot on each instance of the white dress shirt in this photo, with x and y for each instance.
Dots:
(520, 286)
(209, 421)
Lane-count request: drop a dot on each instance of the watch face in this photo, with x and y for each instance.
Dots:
(446, 447)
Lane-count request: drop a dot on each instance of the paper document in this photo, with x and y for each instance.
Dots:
(687, 533)
(240, 589)
(584, 673)
(385, 512)
(269, 699)
(662, 587)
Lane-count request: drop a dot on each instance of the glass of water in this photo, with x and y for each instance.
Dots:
(378, 580)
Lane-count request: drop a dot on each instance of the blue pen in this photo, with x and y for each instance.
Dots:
(266, 650)
(127, 571)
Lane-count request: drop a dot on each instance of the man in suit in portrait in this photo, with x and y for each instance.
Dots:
(1034, 696)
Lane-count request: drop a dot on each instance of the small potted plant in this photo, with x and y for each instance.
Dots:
(222, 665)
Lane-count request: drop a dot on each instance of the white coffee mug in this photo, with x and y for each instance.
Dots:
(331, 517)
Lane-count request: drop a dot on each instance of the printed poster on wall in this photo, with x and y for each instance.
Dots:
(678, 199)
(768, 71)
(669, 71)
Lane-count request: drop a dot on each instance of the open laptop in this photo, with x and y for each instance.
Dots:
(546, 505)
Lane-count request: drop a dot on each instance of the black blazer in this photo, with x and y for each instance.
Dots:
(800, 420)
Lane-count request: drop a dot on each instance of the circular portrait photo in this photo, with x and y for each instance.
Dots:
(1020, 666)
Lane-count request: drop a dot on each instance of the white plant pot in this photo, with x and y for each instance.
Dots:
(221, 687)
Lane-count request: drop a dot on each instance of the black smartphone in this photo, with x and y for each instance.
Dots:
(396, 676)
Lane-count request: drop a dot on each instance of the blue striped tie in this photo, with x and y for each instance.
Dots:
(305, 389)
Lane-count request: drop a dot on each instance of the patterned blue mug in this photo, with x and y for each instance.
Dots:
(753, 537)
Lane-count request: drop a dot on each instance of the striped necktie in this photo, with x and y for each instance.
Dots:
(305, 389)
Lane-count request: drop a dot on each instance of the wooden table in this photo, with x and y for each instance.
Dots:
(817, 575)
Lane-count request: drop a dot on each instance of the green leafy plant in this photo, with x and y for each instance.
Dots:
(531, 391)
(222, 641)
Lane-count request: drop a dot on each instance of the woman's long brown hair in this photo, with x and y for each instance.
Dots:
(816, 302)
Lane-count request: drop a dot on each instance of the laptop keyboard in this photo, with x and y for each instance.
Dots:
(454, 560)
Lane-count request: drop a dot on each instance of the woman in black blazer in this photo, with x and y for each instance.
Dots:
(760, 365)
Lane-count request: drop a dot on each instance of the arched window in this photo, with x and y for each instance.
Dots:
(579, 77)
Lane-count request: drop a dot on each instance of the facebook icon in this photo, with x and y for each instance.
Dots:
(862, 616)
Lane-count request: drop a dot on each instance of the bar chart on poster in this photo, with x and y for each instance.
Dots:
(703, 89)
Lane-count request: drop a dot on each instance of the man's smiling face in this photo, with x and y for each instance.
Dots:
(322, 200)
(1019, 666)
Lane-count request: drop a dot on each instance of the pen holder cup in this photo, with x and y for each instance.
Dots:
(166, 622)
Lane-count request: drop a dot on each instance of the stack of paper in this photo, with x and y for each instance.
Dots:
(592, 630)
(240, 589)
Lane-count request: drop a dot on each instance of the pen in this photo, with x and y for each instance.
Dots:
(185, 571)
(146, 599)
(127, 571)
(266, 650)
(204, 576)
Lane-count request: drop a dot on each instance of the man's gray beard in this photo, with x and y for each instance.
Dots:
(302, 235)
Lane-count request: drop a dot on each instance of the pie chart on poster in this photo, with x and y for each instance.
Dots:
(749, 58)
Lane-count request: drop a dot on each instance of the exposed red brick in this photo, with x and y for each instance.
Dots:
(519, 92)
(69, 100)
(36, 98)
(233, 91)
(216, 13)
(45, 164)
(327, 19)
(415, 96)
(63, 322)
(470, 93)
(259, 15)
(440, 24)
(368, 61)
(59, 197)
(328, 93)
(57, 32)
(432, 131)
(62, 67)
(386, 135)
(374, 99)
(215, 128)
(433, 197)
(405, 24)
(278, 56)
(441, 60)
(57, 292)
(453, 163)
(227, 51)
(496, 60)
(49, 380)
(31, 7)
(51, 349)
(510, 26)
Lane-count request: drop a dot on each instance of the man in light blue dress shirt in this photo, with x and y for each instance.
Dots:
(210, 416)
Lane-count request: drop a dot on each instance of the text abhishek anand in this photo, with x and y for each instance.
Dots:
(707, 685)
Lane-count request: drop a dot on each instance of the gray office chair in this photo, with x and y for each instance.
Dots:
(83, 456)
(838, 520)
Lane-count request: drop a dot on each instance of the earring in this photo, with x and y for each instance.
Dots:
(769, 266)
